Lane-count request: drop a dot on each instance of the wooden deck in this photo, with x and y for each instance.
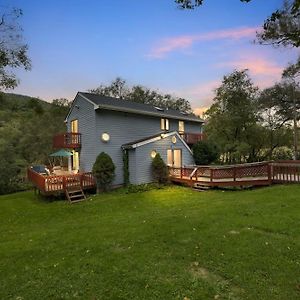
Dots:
(252, 174)
(57, 184)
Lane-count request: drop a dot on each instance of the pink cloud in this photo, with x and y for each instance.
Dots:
(200, 95)
(169, 45)
(263, 71)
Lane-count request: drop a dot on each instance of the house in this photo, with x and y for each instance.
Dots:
(119, 127)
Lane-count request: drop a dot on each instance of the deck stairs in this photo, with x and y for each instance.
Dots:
(201, 187)
(75, 194)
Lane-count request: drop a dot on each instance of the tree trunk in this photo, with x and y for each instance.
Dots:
(295, 126)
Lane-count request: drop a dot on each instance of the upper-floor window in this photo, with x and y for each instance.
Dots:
(164, 124)
(181, 126)
(74, 126)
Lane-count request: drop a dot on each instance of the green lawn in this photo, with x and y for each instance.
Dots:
(172, 243)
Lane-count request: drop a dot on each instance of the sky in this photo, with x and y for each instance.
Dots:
(76, 45)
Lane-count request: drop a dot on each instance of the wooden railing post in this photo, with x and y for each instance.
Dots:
(211, 175)
(234, 173)
(81, 180)
(180, 172)
(270, 172)
(64, 183)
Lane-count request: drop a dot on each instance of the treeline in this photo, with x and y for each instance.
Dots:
(27, 126)
(119, 88)
(248, 125)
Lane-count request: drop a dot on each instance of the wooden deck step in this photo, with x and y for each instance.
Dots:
(75, 194)
(201, 187)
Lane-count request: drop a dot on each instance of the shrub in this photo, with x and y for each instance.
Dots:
(104, 171)
(159, 169)
(205, 153)
(282, 153)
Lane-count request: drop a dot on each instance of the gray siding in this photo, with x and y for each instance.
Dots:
(143, 159)
(123, 128)
(132, 166)
(189, 127)
(85, 115)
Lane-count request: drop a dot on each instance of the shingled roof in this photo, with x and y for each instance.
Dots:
(109, 103)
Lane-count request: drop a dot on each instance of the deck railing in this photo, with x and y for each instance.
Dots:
(59, 183)
(258, 173)
(70, 140)
(286, 171)
(192, 138)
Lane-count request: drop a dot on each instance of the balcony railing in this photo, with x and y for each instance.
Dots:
(70, 140)
(193, 138)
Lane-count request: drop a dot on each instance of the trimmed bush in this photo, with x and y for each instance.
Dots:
(104, 171)
(159, 169)
(205, 153)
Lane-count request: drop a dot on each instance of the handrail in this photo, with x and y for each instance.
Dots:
(67, 140)
(59, 183)
(260, 173)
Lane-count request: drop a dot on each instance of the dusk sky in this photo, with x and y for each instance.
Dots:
(77, 45)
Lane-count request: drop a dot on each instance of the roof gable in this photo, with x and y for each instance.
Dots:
(154, 138)
(74, 104)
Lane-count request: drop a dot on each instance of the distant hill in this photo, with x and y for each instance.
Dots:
(27, 126)
(20, 102)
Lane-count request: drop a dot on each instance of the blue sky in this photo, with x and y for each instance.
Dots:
(79, 44)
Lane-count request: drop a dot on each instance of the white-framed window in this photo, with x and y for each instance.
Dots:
(164, 124)
(180, 126)
(74, 126)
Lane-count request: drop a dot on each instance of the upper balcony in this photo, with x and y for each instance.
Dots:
(192, 138)
(70, 140)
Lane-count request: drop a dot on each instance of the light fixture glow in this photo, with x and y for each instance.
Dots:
(105, 137)
(174, 140)
(153, 153)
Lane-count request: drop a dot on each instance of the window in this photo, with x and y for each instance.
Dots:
(181, 126)
(74, 126)
(164, 124)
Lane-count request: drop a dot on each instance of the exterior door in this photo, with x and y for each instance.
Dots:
(75, 160)
(174, 158)
(177, 158)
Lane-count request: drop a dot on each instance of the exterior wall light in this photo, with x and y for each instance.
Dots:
(174, 140)
(105, 137)
(153, 153)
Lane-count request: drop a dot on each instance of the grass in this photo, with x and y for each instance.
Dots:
(172, 243)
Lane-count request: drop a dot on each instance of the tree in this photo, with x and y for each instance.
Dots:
(292, 70)
(281, 104)
(191, 4)
(205, 152)
(282, 28)
(104, 171)
(13, 52)
(116, 89)
(159, 169)
(9, 169)
(137, 93)
(232, 119)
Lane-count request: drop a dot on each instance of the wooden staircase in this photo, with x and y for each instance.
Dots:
(75, 194)
(200, 187)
